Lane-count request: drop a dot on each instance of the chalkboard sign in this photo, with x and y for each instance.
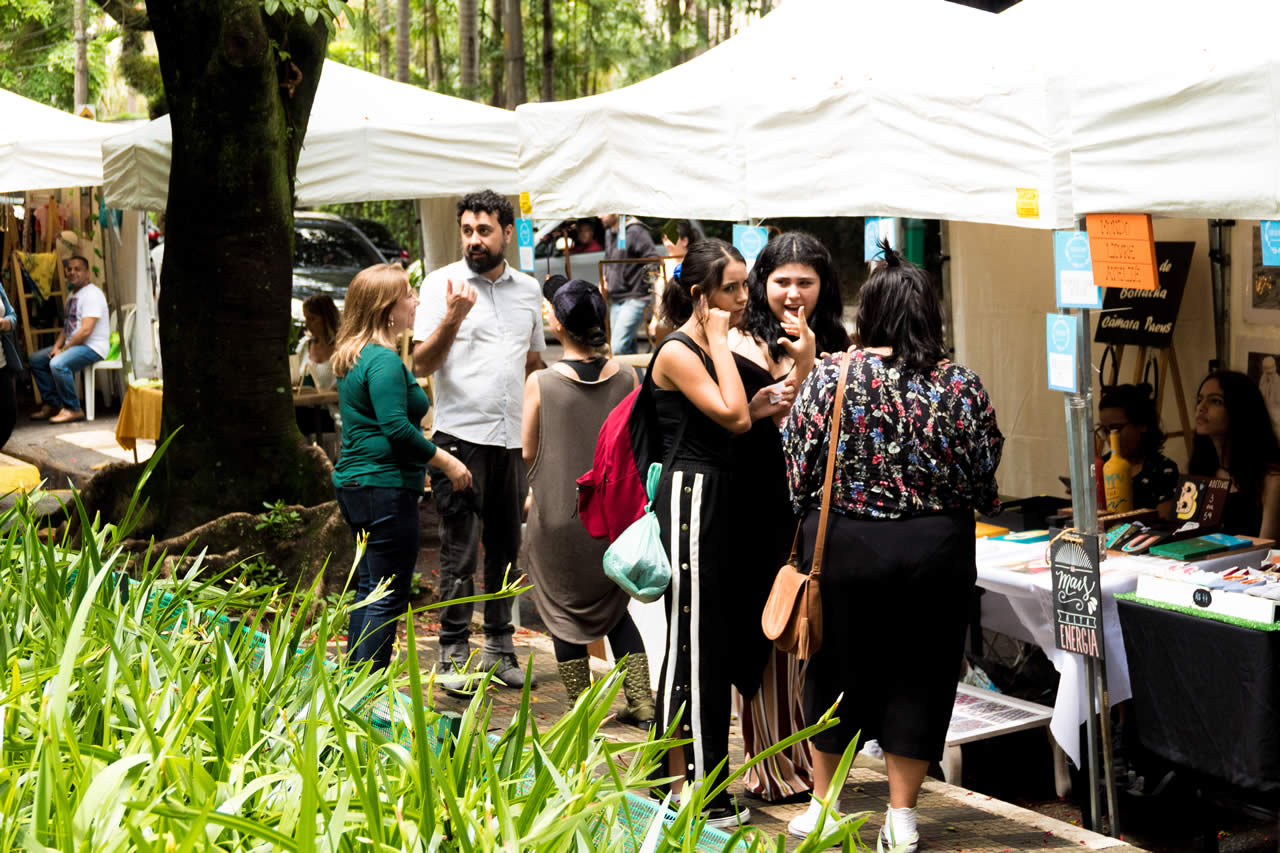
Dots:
(1146, 317)
(1077, 594)
(1202, 500)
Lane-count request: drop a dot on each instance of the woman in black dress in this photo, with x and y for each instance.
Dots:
(795, 311)
(916, 455)
(700, 406)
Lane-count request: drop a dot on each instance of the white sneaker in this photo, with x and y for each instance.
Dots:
(885, 845)
(806, 822)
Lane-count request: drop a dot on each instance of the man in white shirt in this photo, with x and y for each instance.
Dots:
(84, 339)
(479, 331)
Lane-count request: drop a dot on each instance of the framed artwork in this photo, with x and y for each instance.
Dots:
(1262, 302)
(1260, 359)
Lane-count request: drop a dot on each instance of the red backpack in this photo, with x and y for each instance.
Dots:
(611, 495)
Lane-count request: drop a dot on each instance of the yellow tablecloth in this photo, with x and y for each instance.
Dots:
(139, 416)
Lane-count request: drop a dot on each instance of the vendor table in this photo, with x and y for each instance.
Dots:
(1206, 693)
(1019, 603)
(139, 417)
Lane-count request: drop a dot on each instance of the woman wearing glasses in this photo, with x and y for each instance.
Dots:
(1130, 412)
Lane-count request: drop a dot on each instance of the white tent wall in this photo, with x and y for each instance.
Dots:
(1002, 286)
(135, 277)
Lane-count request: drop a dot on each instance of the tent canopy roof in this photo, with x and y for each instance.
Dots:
(45, 148)
(823, 108)
(368, 138)
(1174, 106)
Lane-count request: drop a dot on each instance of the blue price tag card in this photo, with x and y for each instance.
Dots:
(878, 228)
(1060, 345)
(622, 232)
(524, 243)
(1270, 243)
(750, 240)
(1073, 271)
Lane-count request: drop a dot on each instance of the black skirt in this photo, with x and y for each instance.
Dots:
(895, 603)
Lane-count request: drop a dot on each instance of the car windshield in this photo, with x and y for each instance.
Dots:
(330, 244)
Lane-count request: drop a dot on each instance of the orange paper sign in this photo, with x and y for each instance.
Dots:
(1123, 249)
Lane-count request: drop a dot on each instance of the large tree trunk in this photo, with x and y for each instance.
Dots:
(384, 40)
(468, 48)
(402, 41)
(513, 48)
(435, 61)
(238, 117)
(548, 52)
(497, 93)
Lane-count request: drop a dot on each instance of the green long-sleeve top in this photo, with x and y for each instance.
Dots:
(382, 407)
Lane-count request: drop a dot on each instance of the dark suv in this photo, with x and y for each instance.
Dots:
(328, 251)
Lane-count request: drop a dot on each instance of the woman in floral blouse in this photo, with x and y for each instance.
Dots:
(918, 450)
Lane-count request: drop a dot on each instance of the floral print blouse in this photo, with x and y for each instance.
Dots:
(910, 443)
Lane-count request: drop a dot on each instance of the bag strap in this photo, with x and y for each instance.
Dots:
(833, 440)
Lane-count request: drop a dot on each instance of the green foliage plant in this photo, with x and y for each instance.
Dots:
(279, 519)
(174, 714)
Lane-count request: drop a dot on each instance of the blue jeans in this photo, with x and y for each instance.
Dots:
(625, 319)
(56, 376)
(390, 517)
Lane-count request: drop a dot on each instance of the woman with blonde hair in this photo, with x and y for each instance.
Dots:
(381, 471)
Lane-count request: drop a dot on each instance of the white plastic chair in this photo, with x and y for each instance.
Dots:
(90, 375)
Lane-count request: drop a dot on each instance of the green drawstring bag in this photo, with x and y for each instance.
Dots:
(114, 351)
(637, 561)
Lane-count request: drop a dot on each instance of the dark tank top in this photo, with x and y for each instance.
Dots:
(704, 442)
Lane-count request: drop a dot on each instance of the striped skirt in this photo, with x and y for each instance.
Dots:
(774, 714)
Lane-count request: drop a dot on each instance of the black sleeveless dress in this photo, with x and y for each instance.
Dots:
(694, 504)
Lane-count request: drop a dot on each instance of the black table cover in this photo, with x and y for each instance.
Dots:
(1206, 694)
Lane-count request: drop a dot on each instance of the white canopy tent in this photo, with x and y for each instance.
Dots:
(823, 108)
(1174, 106)
(44, 148)
(368, 139)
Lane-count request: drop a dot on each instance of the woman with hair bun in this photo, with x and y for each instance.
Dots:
(564, 403)
(916, 454)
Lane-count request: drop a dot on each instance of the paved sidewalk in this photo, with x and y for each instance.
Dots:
(950, 818)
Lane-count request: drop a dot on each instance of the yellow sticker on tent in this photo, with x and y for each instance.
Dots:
(1028, 203)
(526, 205)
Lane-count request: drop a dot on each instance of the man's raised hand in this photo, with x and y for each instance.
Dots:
(459, 298)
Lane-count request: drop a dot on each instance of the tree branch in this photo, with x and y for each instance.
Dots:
(133, 13)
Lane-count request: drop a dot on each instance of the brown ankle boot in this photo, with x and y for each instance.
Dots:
(640, 708)
(576, 675)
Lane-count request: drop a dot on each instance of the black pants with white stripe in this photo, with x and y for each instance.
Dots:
(692, 508)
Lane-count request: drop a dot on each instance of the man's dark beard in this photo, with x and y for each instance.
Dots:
(483, 263)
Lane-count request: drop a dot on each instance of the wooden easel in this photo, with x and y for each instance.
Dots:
(1167, 365)
(25, 297)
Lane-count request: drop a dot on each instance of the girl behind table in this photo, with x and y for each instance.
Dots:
(794, 312)
(1130, 412)
(700, 405)
(917, 454)
(1235, 440)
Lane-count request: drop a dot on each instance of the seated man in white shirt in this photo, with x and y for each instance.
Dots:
(84, 339)
(479, 331)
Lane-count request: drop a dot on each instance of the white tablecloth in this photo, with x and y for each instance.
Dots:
(1019, 603)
